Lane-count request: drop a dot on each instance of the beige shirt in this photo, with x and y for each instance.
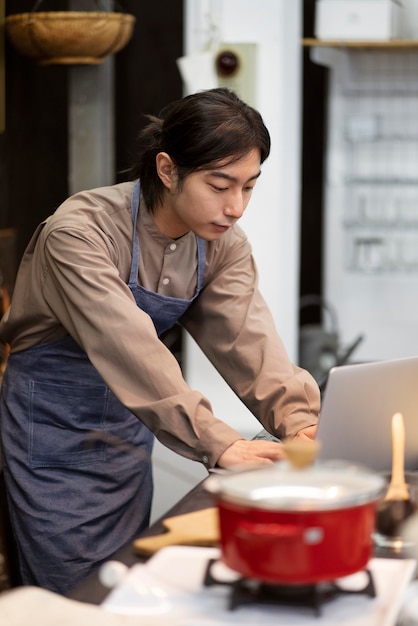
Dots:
(73, 280)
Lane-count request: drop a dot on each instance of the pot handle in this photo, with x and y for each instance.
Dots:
(262, 529)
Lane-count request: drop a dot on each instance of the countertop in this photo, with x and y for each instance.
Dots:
(92, 591)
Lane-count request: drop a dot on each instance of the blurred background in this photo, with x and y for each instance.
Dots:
(334, 220)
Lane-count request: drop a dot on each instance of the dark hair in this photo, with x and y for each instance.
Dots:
(198, 132)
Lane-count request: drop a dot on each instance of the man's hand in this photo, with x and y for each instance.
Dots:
(258, 451)
(255, 452)
(306, 433)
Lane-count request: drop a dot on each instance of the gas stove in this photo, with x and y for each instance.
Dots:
(246, 592)
(190, 586)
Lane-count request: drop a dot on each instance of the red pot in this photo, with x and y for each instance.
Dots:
(289, 526)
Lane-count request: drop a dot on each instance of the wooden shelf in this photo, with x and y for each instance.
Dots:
(392, 44)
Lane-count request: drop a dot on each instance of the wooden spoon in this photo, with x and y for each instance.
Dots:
(396, 505)
(398, 489)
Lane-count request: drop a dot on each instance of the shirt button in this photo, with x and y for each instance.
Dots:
(173, 246)
(166, 281)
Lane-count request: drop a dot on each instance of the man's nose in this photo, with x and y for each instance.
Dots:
(235, 207)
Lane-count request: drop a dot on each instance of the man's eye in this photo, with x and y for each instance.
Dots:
(219, 188)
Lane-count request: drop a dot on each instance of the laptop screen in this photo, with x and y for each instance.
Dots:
(357, 408)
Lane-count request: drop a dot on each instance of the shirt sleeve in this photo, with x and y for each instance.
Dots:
(85, 292)
(239, 337)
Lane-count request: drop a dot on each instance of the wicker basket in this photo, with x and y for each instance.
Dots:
(69, 37)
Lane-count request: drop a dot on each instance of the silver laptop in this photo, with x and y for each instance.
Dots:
(357, 408)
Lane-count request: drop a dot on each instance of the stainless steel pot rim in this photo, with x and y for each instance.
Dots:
(325, 487)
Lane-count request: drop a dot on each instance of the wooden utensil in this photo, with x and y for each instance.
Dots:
(398, 489)
(396, 505)
(199, 528)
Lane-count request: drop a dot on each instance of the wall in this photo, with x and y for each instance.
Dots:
(33, 157)
(48, 105)
(371, 251)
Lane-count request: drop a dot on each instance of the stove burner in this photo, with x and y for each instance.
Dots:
(247, 591)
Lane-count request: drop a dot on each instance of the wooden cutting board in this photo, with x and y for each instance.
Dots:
(200, 528)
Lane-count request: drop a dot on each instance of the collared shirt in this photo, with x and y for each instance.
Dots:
(73, 280)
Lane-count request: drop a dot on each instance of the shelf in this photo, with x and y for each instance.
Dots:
(381, 181)
(383, 139)
(380, 226)
(392, 44)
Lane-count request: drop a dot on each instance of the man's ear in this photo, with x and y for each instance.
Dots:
(166, 170)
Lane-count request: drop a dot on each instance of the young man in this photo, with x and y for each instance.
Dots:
(102, 279)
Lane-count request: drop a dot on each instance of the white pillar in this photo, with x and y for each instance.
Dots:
(91, 141)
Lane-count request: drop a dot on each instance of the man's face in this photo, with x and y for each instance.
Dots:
(208, 202)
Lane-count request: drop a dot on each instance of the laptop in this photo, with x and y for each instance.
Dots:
(356, 412)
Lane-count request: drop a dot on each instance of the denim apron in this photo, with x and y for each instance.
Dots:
(77, 463)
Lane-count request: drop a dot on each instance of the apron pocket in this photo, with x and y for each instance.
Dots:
(61, 420)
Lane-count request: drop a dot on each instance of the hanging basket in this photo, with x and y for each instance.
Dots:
(69, 37)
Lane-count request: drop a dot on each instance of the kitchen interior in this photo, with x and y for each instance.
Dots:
(333, 222)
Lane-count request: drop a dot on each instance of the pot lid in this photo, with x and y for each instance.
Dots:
(326, 486)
